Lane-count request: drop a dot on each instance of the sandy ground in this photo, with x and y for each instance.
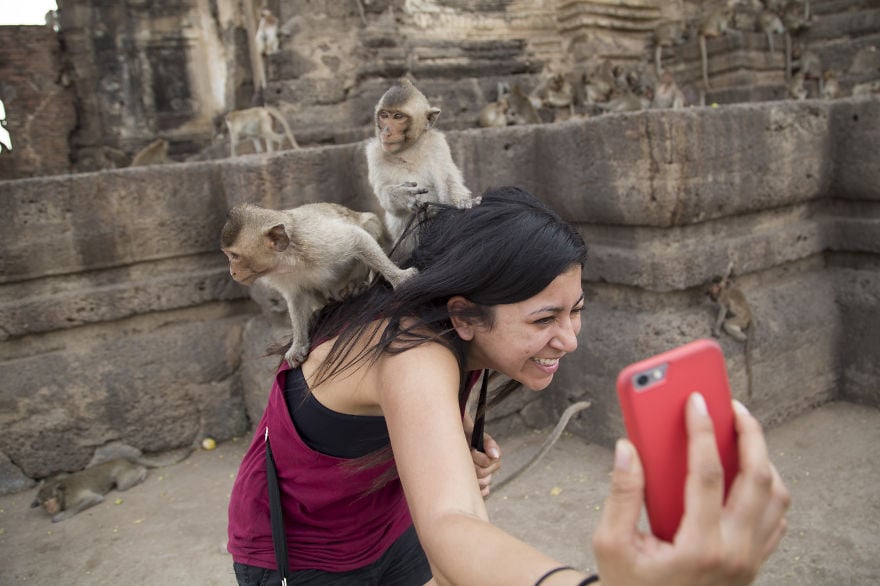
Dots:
(171, 529)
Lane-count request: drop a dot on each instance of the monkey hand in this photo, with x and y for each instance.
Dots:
(405, 194)
(297, 353)
(716, 333)
(466, 203)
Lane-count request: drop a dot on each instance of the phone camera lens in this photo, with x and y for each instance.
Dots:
(642, 380)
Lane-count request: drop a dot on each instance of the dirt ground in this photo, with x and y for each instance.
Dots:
(172, 528)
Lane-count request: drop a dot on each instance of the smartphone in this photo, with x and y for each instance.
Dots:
(653, 394)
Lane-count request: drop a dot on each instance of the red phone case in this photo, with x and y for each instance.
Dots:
(653, 394)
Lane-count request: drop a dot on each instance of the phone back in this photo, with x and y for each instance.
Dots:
(653, 394)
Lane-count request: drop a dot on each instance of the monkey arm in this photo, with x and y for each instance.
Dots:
(719, 319)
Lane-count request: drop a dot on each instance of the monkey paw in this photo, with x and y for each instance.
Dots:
(467, 203)
(405, 276)
(350, 290)
(296, 354)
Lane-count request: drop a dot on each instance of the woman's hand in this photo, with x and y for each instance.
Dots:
(717, 543)
(485, 464)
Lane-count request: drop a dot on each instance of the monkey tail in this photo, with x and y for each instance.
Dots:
(276, 113)
(704, 59)
(548, 443)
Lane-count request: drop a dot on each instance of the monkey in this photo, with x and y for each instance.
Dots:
(831, 86)
(734, 316)
(599, 83)
(65, 495)
(810, 66)
(667, 94)
(667, 34)
(717, 23)
(770, 24)
(555, 92)
(868, 88)
(155, 153)
(409, 162)
(256, 123)
(494, 114)
(521, 110)
(551, 440)
(866, 61)
(796, 89)
(266, 38)
(794, 20)
(311, 255)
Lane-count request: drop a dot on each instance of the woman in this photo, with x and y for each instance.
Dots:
(499, 289)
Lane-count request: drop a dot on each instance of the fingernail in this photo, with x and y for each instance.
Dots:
(493, 452)
(699, 404)
(622, 455)
(740, 408)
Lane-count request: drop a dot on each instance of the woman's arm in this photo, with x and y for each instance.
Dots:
(418, 393)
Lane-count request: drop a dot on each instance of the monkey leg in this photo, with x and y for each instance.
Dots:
(299, 309)
(735, 330)
(131, 475)
(369, 251)
(84, 499)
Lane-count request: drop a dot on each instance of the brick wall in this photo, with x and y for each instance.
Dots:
(39, 108)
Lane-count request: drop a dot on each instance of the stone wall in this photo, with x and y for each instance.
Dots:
(38, 102)
(119, 321)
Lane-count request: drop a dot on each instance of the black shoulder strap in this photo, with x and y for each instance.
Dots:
(480, 418)
(279, 536)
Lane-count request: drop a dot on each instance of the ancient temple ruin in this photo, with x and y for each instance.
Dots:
(120, 322)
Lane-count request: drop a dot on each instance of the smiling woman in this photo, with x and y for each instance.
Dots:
(15, 12)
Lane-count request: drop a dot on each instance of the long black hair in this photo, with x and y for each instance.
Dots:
(504, 250)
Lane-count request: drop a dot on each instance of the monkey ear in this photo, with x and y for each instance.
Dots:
(276, 238)
(433, 113)
(458, 308)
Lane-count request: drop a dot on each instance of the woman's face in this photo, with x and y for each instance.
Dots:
(529, 337)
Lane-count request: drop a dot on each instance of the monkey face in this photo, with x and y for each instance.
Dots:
(50, 497)
(392, 126)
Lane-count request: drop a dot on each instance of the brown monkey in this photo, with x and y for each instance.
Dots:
(155, 153)
(494, 114)
(409, 161)
(796, 88)
(770, 24)
(310, 254)
(667, 34)
(256, 123)
(522, 110)
(555, 92)
(266, 38)
(65, 495)
(734, 315)
(667, 94)
(717, 23)
(831, 86)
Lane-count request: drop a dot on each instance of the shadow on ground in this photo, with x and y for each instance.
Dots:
(172, 528)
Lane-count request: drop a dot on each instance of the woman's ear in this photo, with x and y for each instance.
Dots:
(459, 307)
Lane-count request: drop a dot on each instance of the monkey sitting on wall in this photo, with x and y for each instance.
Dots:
(409, 162)
(256, 123)
(311, 254)
(734, 313)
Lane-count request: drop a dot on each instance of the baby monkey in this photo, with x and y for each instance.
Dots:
(311, 254)
(734, 313)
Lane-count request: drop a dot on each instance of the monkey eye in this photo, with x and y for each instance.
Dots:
(399, 116)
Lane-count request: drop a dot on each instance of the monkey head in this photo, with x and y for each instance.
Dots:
(402, 115)
(252, 239)
(50, 496)
(715, 287)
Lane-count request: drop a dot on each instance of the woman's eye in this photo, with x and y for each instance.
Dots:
(545, 320)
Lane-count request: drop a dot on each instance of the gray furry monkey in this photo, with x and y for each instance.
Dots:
(409, 162)
(65, 495)
(310, 254)
(734, 315)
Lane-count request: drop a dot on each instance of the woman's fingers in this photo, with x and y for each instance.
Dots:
(704, 486)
